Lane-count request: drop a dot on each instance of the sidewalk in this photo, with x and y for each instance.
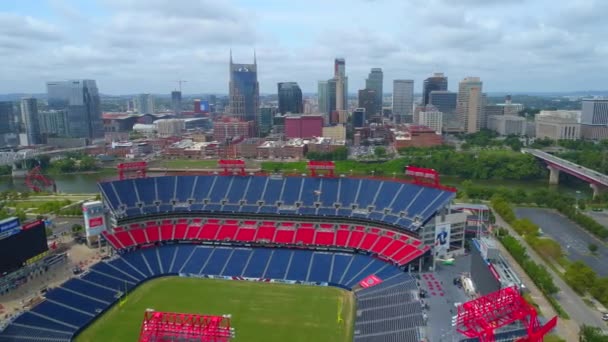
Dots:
(566, 329)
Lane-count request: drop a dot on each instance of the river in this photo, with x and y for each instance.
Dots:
(87, 183)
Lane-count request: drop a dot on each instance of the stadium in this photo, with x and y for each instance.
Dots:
(263, 257)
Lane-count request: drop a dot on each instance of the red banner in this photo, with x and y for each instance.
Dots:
(370, 281)
(95, 222)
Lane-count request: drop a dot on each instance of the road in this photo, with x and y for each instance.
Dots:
(579, 312)
(574, 240)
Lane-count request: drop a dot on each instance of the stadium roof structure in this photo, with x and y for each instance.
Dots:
(481, 317)
(171, 326)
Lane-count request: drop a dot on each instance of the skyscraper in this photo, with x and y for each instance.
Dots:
(367, 100)
(176, 102)
(7, 117)
(30, 132)
(443, 100)
(436, 82)
(469, 107)
(341, 83)
(81, 100)
(403, 100)
(594, 119)
(244, 90)
(145, 103)
(290, 97)
(374, 81)
(359, 117)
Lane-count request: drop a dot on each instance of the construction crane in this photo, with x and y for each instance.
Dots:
(179, 82)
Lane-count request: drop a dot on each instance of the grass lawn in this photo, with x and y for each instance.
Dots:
(191, 164)
(260, 311)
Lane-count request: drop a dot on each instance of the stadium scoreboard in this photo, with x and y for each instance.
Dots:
(22, 244)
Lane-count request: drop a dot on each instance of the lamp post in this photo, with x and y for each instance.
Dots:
(578, 196)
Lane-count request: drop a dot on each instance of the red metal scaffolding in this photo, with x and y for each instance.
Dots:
(481, 317)
(314, 167)
(171, 326)
(231, 166)
(38, 182)
(132, 170)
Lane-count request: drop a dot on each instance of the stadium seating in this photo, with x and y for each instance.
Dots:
(386, 244)
(77, 302)
(401, 204)
(389, 311)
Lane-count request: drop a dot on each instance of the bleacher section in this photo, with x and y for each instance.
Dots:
(401, 204)
(389, 312)
(74, 304)
(386, 244)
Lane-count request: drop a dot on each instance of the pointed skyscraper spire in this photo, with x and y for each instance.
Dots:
(255, 60)
(231, 56)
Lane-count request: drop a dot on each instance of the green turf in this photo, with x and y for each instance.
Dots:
(191, 164)
(260, 311)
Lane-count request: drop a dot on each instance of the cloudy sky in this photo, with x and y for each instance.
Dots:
(134, 46)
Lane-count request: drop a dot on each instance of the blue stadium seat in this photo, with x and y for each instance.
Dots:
(197, 260)
(237, 262)
(109, 194)
(166, 256)
(121, 264)
(166, 188)
(273, 191)
(136, 260)
(237, 191)
(147, 190)
(151, 260)
(385, 196)
(299, 265)
(62, 314)
(257, 263)
(107, 282)
(109, 270)
(278, 264)
(348, 190)
(216, 261)
(319, 270)
(30, 319)
(184, 188)
(100, 293)
(69, 298)
(182, 255)
(292, 190)
(218, 188)
(19, 333)
(310, 191)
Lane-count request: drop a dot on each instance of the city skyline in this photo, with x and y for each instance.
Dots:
(141, 46)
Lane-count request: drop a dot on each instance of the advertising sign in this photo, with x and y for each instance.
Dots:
(370, 281)
(95, 222)
(9, 227)
(442, 239)
(94, 218)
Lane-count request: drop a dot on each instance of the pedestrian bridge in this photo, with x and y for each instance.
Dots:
(597, 180)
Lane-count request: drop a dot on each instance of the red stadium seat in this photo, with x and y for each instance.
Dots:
(265, 233)
(166, 232)
(138, 236)
(325, 237)
(285, 236)
(153, 233)
(393, 248)
(192, 232)
(245, 234)
(381, 244)
(305, 236)
(404, 255)
(209, 231)
(125, 239)
(227, 232)
(368, 241)
(180, 231)
(342, 236)
(356, 236)
(112, 240)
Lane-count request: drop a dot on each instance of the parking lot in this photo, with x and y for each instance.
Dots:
(573, 239)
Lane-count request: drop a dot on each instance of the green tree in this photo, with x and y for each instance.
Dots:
(580, 277)
(380, 152)
(592, 248)
(591, 334)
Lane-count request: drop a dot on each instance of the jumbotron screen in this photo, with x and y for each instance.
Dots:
(16, 249)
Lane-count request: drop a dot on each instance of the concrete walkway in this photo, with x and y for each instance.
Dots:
(578, 311)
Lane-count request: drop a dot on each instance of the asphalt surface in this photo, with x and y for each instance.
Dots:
(441, 298)
(600, 216)
(579, 312)
(574, 240)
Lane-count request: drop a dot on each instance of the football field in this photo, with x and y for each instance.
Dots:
(260, 311)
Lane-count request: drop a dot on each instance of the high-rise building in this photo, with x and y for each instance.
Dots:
(244, 91)
(594, 119)
(374, 81)
(436, 82)
(359, 117)
(403, 100)
(326, 94)
(81, 100)
(507, 124)
(7, 117)
(303, 126)
(341, 84)
(144, 103)
(367, 100)
(266, 117)
(30, 132)
(432, 118)
(231, 129)
(470, 104)
(443, 100)
(290, 97)
(54, 122)
(176, 102)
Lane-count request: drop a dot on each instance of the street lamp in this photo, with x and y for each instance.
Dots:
(578, 196)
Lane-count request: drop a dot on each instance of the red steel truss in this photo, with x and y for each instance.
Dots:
(231, 166)
(313, 166)
(171, 326)
(135, 169)
(480, 317)
(38, 182)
